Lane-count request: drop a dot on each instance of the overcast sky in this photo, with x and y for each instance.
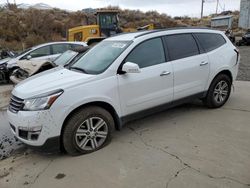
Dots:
(171, 7)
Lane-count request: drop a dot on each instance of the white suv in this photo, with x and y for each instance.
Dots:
(122, 78)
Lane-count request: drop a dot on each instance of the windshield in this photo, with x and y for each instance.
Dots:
(23, 52)
(65, 57)
(100, 57)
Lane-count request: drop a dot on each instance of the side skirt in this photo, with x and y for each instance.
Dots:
(157, 109)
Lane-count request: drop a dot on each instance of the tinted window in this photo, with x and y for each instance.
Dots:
(108, 21)
(60, 48)
(181, 46)
(23, 52)
(147, 53)
(43, 51)
(75, 46)
(210, 41)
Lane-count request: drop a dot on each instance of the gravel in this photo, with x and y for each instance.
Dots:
(8, 143)
(244, 70)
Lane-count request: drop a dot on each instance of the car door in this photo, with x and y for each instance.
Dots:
(151, 87)
(190, 65)
(39, 53)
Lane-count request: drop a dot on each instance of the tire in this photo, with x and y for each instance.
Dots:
(88, 130)
(219, 91)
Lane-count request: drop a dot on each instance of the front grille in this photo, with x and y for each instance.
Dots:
(16, 104)
(23, 134)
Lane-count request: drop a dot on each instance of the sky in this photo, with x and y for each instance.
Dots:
(171, 7)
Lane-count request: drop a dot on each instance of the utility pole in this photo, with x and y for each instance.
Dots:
(217, 6)
(202, 7)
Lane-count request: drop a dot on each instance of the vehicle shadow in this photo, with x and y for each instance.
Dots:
(143, 123)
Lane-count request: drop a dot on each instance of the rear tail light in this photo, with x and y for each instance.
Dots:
(238, 54)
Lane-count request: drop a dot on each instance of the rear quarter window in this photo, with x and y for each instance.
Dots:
(210, 41)
(181, 46)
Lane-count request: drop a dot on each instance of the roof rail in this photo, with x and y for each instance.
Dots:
(169, 29)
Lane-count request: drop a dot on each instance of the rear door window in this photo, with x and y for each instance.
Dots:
(148, 53)
(210, 41)
(60, 48)
(75, 46)
(181, 46)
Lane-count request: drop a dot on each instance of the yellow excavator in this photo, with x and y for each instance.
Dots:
(107, 25)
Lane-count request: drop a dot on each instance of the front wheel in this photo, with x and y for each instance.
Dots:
(219, 91)
(88, 130)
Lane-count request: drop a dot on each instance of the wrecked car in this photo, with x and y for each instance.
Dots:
(47, 52)
(4, 73)
(29, 68)
(5, 56)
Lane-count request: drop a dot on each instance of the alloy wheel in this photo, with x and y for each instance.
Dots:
(91, 134)
(221, 92)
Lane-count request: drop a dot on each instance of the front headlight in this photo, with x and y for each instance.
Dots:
(42, 102)
(3, 66)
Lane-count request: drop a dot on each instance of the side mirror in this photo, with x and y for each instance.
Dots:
(29, 57)
(130, 67)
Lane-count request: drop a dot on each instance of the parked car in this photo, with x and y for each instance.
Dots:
(4, 74)
(245, 39)
(6, 54)
(120, 79)
(28, 68)
(47, 51)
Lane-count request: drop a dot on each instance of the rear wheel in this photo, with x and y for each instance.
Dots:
(88, 130)
(219, 91)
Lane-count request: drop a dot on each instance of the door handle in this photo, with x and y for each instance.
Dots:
(165, 73)
(203, 63)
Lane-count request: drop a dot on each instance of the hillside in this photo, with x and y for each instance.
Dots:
(22, 28)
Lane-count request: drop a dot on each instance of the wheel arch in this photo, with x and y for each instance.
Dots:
(226, 72)
(104, 105)
(223, 71)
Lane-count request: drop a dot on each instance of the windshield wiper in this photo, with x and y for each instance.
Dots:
(79, 69)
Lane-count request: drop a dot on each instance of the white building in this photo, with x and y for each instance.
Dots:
(244, 21)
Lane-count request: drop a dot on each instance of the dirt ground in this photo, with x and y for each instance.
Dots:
(188, 146)
(244, 70)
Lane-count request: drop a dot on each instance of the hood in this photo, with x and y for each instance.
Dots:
(54, 79)
(32, 66)
(2, 61)
(12, 62)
